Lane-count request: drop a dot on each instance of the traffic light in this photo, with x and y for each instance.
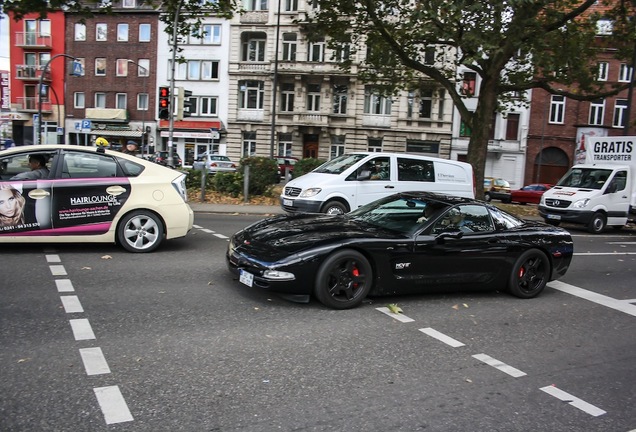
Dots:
(164, 103)
(184, 104)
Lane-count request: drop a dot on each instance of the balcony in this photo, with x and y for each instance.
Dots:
(381, 121)
(32, 73)
(308, 119)
(254, 17)
(30, 104)
(33, 40)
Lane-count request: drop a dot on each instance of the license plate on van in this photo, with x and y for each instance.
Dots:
(288, 202)
(553, 217)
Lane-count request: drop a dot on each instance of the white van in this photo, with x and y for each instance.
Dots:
(354, 179)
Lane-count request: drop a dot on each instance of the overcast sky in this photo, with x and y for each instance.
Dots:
(4, 43)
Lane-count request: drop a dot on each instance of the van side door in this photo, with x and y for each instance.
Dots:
(374, 180)
(617, 198)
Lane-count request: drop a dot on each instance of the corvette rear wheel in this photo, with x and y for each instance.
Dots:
(343, 280)
(140, 231)
(530, 274)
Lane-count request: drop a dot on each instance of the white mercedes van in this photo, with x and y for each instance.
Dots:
(354, 179)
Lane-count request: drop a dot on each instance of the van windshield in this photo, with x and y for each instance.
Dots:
(587, 178)
(340, 164)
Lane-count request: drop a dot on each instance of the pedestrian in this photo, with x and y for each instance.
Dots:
(131, 148)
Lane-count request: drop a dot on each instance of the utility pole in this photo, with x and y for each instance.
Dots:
(172, 69)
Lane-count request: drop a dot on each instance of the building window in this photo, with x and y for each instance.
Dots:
(342, 53)
(121, 100)
(122, 68)
(100, 66)
(287, 97)
(604, 27)
(122, 32)
(251, 94)
(80, 32)
(248, 147)
(441, 93)
(512, 127)
(426, 103)
(597, 112)
(375, 103)
(469, 84)
(316, 51)
(313, 97)
(208, 106)
(253, 47)
(143, 68)
(429, 55)
(211, 34)
(603, 71)
(625, 73)
(340, 99)
(337, 146)
(101, 32)
(289, 46)
(196, 70)
(620, 111)
(464, 130)
(144, 32)
(254, 5)
(142, 102)
(291, 5)
(284, 145)
(128, 3)
(557, 109)
(375, 145)
(79, 100)
(100, 100)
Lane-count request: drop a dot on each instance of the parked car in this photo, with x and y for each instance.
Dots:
(161, 157)
(530, 193)
(395, 246)
(91, 195)
(214, 163)
(496, 188)
(286, 163)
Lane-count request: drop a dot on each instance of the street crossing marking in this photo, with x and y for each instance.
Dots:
(619, 305)
(516, 373)
(94, 361)
(574, 401)
(71, 304)
(442, 337)
(113, 404)
(82, 329)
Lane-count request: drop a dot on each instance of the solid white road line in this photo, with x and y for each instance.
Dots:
(53, 259)
(400, 317)
(197, 226)
(205, 230)
(94, 361)
(574, 401)
(499, 365)
(82, 329)
(112, 404)
(619, 305)
(71, 304)
(221, 236)
(57, 270)
(64, 285)
(603, 253)
(442, 337)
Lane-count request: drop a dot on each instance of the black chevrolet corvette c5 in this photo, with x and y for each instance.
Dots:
(407, 243)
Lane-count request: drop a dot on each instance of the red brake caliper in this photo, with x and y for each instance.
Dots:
(522, 271)
(355, 272)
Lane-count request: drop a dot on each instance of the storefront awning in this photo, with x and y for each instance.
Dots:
(106, 114)
(117, 133)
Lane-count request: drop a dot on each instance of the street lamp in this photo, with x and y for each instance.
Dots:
(143, 115)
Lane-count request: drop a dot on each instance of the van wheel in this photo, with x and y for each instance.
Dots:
(487, 197)
(335, 208)
(597, 223)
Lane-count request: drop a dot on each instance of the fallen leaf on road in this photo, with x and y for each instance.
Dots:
(394, 308)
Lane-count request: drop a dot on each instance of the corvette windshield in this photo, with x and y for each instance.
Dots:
(339, 164)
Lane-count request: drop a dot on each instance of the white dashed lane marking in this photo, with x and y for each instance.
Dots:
(94, 361)
(441, 337)
(499, 365)
(64, 285)
(72, 304)
(82, 329)
(53, 259)
(574, 401)
(400, 317)
(113, 405)
(58, 270)
(221, 236)
(619, 305)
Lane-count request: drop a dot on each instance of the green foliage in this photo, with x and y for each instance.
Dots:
(303, 166)
(263, 173)
(227, 183)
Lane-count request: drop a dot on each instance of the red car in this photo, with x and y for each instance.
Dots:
(530, 193)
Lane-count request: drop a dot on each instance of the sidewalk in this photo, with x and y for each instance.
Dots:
(198, 207)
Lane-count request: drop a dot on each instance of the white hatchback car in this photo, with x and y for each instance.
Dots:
(91, 195)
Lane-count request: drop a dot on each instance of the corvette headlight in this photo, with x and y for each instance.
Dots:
(310, 192)
(581, 203)
(278, 275)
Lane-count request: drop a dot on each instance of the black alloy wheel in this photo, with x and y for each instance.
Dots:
(530, 274)
(344, 279)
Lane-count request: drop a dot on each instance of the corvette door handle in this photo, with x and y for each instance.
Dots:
(115, 190)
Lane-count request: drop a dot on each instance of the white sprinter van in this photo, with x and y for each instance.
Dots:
(354, 179)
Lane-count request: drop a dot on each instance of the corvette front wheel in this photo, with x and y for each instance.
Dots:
(343, 280)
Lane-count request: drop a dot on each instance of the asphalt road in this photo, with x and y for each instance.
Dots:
(96, 339)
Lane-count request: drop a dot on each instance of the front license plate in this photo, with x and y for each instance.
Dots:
(246, 278)
(555, 217)
(287, 202)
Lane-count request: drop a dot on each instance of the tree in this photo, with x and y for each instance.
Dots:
(512, 45)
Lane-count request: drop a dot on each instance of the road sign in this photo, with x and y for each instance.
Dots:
(77, 69)
(86, 126)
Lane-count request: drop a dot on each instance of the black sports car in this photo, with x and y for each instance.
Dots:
(406, 243)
